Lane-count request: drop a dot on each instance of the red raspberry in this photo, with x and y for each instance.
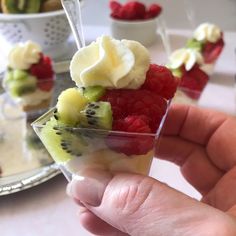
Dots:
(137, 124)
(211, 51)
(148, 104)
(131, 144)
(118, 102)
(114, 6)
(43, 72)
(153, 11)
(43, 69)
(125, 102)
(45, 85)
(194, 81)
(160, 80)
(133, 10)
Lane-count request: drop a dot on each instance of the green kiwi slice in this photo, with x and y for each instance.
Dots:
(32, 6)
(19, 74)
(63, 143)
(97, 115)
(71, 141)
(20, 87)
(92, 93)
(194, 44)
(21, 6)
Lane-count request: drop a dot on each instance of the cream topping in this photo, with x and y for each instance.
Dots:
(185, 56)
(23, 55)
(207, 32)
(110, 63)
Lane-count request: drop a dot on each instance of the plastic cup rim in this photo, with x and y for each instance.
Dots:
(48, 114)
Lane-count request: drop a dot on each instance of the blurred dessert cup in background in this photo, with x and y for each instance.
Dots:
(29, 77)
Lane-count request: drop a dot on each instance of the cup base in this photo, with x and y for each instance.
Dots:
(110, 161)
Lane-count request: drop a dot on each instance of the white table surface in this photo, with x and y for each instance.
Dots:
(45, 210)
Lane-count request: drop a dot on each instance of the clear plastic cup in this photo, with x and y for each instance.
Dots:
(77, 149)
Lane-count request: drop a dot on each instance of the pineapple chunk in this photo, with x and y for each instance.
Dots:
(70, 103)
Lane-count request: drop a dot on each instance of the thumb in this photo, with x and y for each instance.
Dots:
(139, 205)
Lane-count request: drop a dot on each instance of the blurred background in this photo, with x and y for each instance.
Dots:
(221, 12)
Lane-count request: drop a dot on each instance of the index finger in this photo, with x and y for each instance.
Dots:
(213, 130)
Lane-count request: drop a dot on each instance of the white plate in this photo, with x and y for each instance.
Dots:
(28, 179)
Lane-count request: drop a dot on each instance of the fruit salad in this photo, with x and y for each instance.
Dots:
(29, 6)
(29, 78)
(134, 10)
(194, 63)
(112, 118)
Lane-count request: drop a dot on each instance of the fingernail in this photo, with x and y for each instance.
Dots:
(90, 187)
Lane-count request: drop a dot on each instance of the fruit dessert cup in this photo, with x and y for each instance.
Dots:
(113, 118)
(194, 64)
(29, 79)
(185, 64)
(208, 40)
(135, 21)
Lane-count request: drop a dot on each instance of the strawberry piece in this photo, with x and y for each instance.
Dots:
(125, 102)
(193, 82)
(211, 51)
(153, 11)
(131, 144)
(44, 73)
(159, 79)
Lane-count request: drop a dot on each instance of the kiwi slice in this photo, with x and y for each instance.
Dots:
(92, 93)
(10, 6)
(20, 87)
(71, 141)
(97, 115)
(19, 74)
(194, 44)
(177, 72)
(70, 103)
(21, 6)
(63, 143)
(8, 77)
(32, 6)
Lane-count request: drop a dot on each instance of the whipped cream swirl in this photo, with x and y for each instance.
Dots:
(23, 55)
(207, 32)
(110, 63)
(185, 56)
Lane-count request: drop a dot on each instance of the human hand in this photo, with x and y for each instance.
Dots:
(201, 142)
